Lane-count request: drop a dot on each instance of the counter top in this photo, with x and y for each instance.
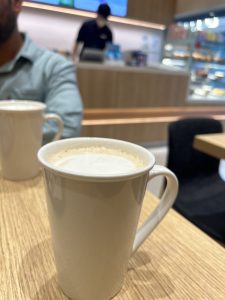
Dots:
(154, 68)
(178, 261)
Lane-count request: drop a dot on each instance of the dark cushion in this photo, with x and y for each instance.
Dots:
(183, 159)
(201, 196)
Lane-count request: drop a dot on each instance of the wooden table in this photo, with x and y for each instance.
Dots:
(178, 261)
(212, 144)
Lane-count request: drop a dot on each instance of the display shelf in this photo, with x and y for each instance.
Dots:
(214, 99)
(202, 53)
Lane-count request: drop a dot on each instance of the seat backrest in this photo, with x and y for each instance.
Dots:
(183, 159)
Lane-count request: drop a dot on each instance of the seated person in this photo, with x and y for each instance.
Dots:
(28, 72)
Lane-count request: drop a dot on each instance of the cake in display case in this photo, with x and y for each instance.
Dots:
(201, 51)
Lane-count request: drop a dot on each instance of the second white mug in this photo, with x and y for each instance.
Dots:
(21, 136)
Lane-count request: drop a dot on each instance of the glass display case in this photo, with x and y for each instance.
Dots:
(201, 51)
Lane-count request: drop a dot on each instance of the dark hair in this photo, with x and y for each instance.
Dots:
(104, 10)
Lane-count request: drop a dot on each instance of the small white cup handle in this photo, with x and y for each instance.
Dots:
(165, 203)
(59, 122)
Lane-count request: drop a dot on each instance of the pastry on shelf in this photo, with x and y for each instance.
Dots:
(219, 74)
(218, 92)
(203, 73)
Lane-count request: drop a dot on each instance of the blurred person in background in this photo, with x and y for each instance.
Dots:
(94, 34)
(28, 72)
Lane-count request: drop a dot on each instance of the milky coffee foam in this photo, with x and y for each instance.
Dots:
(19, 105)
(95, 160)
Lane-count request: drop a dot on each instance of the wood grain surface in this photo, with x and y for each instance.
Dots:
(177, 261)
(193, 6)
(153, 112)
(212, 144)
(158, 11)
(141, 125)
(104, 86)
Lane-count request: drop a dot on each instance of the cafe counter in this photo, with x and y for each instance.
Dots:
(116, 86)
(136, 103)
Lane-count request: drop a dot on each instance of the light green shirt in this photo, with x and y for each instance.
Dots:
(41, 75)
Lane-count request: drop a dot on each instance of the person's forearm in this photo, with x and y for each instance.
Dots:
(76, 51)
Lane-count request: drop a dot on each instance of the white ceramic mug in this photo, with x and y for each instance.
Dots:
(21, 137)
(94, 217)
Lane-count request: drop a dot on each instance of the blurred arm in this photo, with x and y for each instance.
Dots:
(63, 98)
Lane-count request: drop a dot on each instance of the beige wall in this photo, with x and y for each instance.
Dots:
(189, 6)
(57, 31)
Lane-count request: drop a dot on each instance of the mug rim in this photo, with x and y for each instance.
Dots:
(36, 106)
(87, 177)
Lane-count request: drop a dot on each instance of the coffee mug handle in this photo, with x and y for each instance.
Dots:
(165, 203)
(59, 122)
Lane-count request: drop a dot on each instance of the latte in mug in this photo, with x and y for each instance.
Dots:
(20, 106)
(95, 188)
(96, 160)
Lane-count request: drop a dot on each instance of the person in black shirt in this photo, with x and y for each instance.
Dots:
(94, 33)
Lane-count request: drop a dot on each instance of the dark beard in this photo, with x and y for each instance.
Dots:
(7, 24)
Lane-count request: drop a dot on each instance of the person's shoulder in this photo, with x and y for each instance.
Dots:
(89, 23)
(46, 60)
(39, 53)
(107, 28)
(54, 62)
(52, 56)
